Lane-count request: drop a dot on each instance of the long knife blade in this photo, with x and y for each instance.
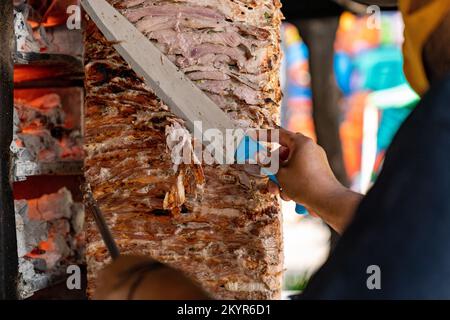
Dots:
(100, 221)
(168, 82)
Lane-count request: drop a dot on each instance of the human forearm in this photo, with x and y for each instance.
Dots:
(337, 208)
(305, 177)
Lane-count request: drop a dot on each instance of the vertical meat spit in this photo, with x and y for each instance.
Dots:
(103, 228)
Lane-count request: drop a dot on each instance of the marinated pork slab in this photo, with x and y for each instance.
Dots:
(217, 223)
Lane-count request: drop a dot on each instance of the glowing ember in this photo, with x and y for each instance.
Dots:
(42, 131)
(49, 237)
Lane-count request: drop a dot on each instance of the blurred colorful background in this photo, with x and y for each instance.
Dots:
(375, 101)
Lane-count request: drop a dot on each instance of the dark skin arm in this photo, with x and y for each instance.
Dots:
(305, 177)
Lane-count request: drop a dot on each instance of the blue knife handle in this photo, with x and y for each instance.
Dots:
(247, 150)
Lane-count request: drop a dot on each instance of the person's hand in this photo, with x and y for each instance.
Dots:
(304, 173)
(142, 278)
(305, 177)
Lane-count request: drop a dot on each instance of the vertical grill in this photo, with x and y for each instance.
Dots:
(27, 76)
(8, 245)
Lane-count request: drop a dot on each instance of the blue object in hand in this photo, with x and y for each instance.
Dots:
(247, 150)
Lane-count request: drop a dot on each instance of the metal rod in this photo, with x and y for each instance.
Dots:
(105, 232)
(8, 240)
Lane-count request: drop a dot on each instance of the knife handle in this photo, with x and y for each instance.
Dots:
(247, 150)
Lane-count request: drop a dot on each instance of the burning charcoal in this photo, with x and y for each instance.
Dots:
(46, 102)
(20, 30)
(58, 132)
(55, 249)
(40, 36)
(59, 227)
(39, 129)
(32, 118)
(16, 122)
(49, 236)
(19, 4)
(40, 144)
(52, 206)
(39, 264)
(43, 112)
(77, 219)
(30, 280)
(21, 153)
(71, 146)
(26, 114)
(29, 232)
(25, 41)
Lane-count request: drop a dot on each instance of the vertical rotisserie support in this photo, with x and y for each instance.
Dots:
(8, 241)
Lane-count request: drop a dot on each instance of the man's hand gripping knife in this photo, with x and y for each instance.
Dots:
(305, 177)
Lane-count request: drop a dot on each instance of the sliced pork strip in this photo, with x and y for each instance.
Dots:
(208, 75)
(135, 15)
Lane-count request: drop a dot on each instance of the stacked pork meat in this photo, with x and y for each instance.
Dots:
(217, 223)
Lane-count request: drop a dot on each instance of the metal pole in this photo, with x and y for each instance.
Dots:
(8, 240)
(107, 237)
